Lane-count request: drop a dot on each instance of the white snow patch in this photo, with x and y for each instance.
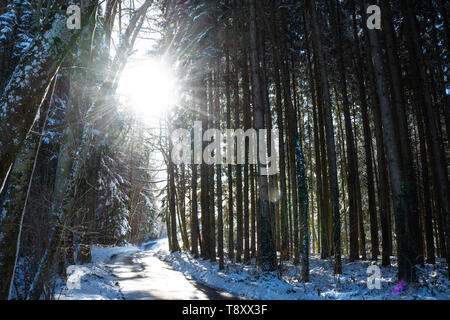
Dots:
(93, 281)
(102, 255)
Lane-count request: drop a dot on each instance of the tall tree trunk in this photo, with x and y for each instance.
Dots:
(331, 146)
(254, 212)
(404, 142)
(181, 195)
(268, 254)
(212, 217)
(382, 181)
(237, 115)
(351, 153)
(318, 169)
(406, 270)
(14, 200)
(218, 174)
(247, 125)
(229, 167)
(194, 213)
(172, 206)
(423, 91)
(280, 123)
(426, 195)
(293, 139)
(367, 142)
(204, 193)
(326, 244)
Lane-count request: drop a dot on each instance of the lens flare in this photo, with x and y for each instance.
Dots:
(149, 88)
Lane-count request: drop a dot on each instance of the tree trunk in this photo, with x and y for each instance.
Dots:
(204, 193)
(237, 115)
(172, 206)
(280, 123)
(268, 254)
(331, 147)
(403, 134)
(423, 92)
(406, 270)
(229, 167)
(367, 143)
(45, 64)
(351, 153)
(218, 172)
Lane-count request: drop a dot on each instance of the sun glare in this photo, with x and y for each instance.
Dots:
(149, 88)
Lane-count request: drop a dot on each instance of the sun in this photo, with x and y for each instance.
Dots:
(148, 87)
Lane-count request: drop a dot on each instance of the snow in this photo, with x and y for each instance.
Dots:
(156, 245)
(93, 281)
(96, 283)
(248, 282)
(102, 255)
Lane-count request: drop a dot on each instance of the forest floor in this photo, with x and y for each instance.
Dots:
(151, 272)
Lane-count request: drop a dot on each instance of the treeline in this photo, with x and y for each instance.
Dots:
(74, 170)
(363, 123)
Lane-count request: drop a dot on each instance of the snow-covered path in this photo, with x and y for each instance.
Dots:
(142, 276)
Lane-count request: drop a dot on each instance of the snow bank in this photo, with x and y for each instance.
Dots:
(103, 254)
(250, 283)
(93, 281)
(89, 282)
(157, 245)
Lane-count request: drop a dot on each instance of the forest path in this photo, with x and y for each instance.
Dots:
(142, 276)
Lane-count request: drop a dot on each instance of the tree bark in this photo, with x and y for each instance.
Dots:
(18, 108)
(367, 142)
(406, 270)
(331, 146)
(423, 92)
(268, 254)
